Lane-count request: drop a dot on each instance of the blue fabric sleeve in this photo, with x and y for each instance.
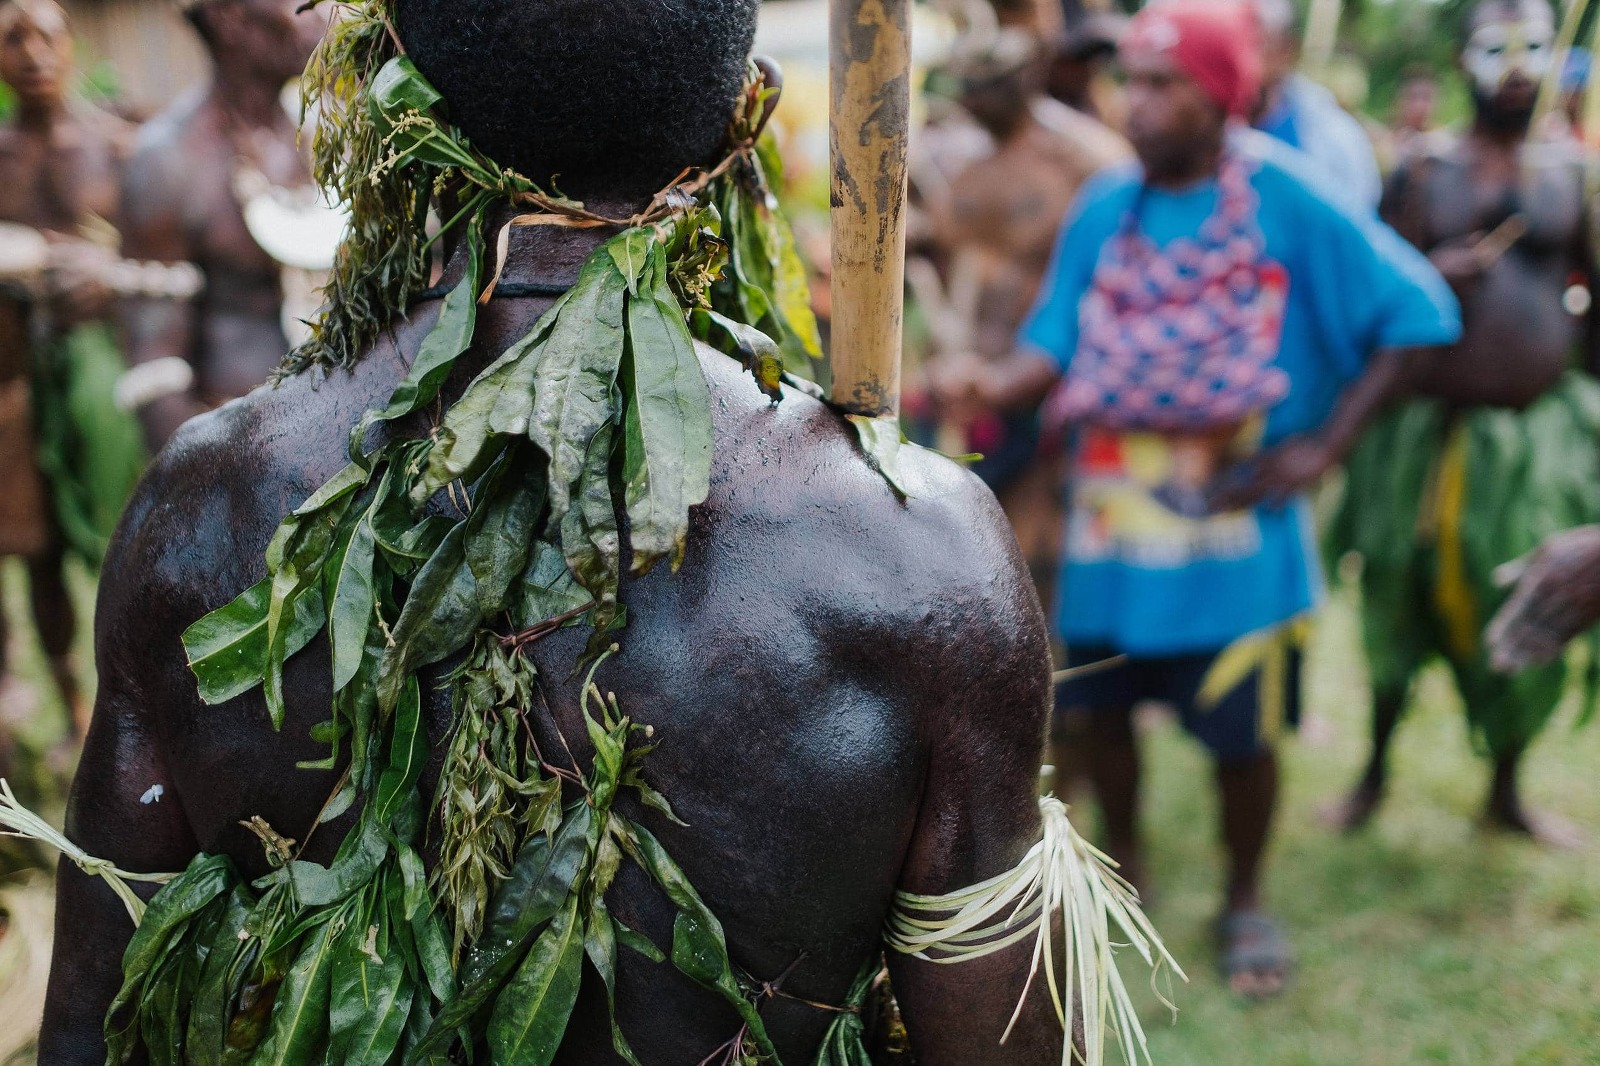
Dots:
(1341, 151)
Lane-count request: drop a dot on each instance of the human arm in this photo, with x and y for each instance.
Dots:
(109, 818)
(979, 669)
(978, 818)
(1556, 597)
(1381, 317)
(1300, 462)
(158, 328)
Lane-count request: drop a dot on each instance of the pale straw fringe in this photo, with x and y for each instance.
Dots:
(24, 963)
(1063, 874)
(17, 821)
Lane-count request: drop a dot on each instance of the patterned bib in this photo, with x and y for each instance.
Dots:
(1182, 338)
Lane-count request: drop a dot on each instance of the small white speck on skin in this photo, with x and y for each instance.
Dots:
(152, 794)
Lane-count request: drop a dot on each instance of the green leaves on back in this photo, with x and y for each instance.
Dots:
(501, 523)
(667, 450)
(765, 284)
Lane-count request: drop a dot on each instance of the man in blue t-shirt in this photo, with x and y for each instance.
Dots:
(1217, 334)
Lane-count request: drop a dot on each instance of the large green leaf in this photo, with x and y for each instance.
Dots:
(439, 618)
(227, 648)
(546, 589)
(531, 1015)
(299, 1030)
(577, 374)
(667, 439)
(883, 445)
(399, 87)
(699, 948)
(217, 989)
(369, 997)
(295, 576)
(540, 882)
(450, 337)
(351, 598)
(600, 945)
(400, 96)
(590, 536)
(408, 751)
(335, 490)
(359, 857)
(170, 991)
(503, 526)
(497, 404)
(207, 879)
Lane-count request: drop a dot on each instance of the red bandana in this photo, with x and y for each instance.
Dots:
(1214, 42)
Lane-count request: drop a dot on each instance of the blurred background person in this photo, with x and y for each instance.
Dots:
(998, 232)
(1415, 107)
(1447, 489)
(1222, 331)
(1304, 115)
(1082, 61)
(220, 180)
(60, 164)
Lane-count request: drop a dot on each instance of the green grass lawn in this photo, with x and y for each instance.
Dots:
(1421, 940)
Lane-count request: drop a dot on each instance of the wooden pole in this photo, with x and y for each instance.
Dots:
(869, 130)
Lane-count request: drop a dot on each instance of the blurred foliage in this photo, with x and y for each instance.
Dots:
(1391, 37)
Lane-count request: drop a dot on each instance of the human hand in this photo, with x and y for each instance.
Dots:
(1557, 596)
(1273, 477)
(956, 383)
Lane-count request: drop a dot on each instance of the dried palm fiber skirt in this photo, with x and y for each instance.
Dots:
(1435, 500)
(24, 523)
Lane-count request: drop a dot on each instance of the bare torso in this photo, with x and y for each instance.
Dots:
(182, 206)
(55, 181)
(1518, 337)
(1006, 211)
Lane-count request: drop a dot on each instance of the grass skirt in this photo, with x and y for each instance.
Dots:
(90, 452)
(1435, 500)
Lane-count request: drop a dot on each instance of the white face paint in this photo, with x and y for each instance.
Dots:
(1496, 50)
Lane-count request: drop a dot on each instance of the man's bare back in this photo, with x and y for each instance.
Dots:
(848, 693)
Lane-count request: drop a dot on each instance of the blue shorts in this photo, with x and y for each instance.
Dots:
(1232, 729)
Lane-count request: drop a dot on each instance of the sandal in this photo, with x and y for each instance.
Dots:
(1255, 960)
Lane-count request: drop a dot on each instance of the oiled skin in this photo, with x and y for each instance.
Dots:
(848, 692)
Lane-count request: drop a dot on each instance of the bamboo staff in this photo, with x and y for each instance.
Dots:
(869, 129)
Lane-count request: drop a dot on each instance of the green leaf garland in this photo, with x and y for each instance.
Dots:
(495, 528)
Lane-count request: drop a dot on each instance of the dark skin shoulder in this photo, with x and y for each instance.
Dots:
(848, 691)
